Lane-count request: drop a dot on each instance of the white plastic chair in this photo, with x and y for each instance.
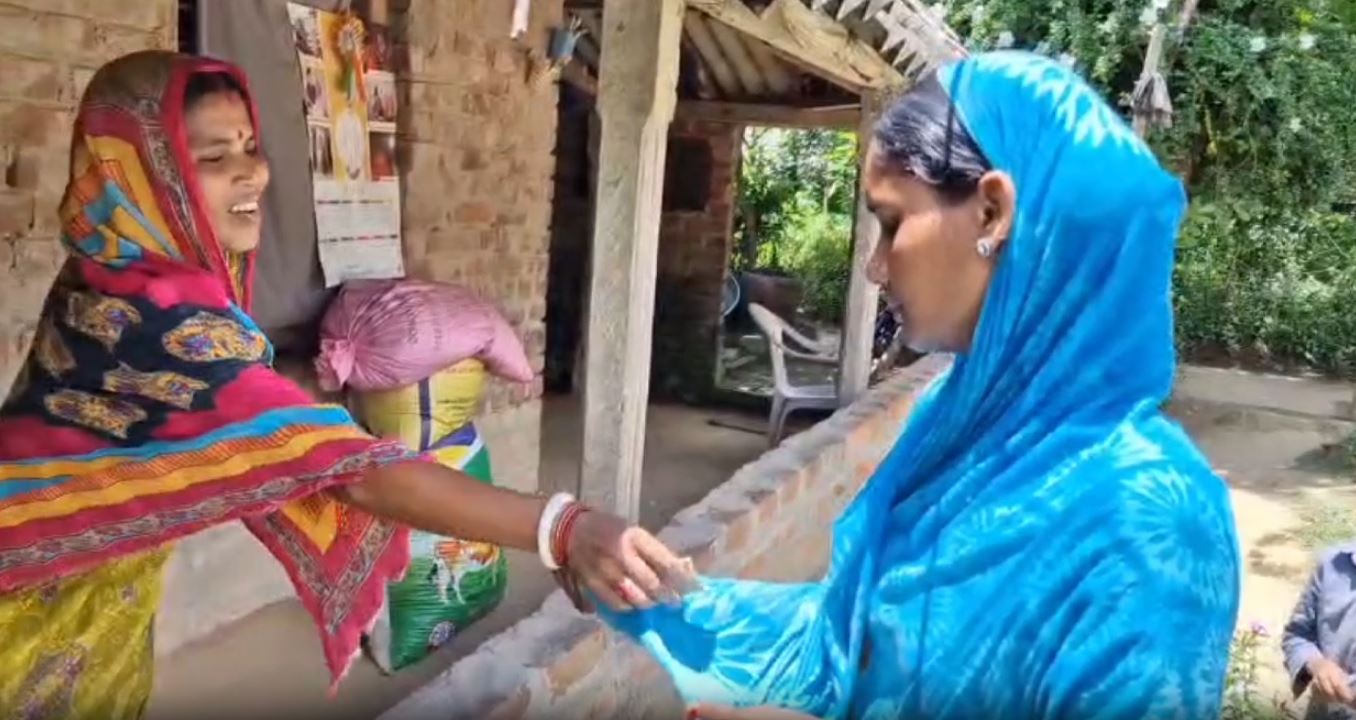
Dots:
(788, 398)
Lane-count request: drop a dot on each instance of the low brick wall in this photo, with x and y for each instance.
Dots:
(772, 520)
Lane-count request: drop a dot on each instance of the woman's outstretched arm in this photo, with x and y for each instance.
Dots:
(437, 499)
(623, 566)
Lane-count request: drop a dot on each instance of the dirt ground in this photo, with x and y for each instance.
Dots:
(1293, 495)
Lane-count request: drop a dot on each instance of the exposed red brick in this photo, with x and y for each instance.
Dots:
(49, 49)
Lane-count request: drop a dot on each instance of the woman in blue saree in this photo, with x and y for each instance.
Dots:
(1041, 542)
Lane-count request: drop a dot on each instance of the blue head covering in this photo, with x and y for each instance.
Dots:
(1040, 542)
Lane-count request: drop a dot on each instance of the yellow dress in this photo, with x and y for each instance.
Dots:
(81, 648)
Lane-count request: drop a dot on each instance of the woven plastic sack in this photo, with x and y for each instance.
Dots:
(450, 582)
(386, 334)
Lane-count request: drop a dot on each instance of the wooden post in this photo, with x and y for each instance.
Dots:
(1144, 110)
(637, 94)
(859, 317)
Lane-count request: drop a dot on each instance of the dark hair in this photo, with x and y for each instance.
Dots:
(202, 84)
(921, 135)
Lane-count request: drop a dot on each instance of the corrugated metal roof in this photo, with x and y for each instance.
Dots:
(726, 62)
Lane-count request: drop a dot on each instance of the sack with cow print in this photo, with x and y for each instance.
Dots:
(450, 583)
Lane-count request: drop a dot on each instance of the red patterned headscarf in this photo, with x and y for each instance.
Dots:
(148, 408)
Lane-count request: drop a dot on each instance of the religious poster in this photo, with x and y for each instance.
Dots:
(349, 97)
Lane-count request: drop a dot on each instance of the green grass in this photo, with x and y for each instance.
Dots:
(1324, 525)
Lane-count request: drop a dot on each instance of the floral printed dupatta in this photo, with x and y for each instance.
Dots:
(148, 408)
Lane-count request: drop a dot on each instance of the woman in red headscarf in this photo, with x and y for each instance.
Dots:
(149, 410)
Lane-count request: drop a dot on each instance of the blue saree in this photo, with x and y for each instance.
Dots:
(1041, 542)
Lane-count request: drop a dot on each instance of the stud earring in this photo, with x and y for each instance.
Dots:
(984, 246)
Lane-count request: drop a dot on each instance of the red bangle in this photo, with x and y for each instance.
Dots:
(554, 548)
(560, 544)
(560, 539)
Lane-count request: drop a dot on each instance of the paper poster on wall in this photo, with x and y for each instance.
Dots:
(349, 97)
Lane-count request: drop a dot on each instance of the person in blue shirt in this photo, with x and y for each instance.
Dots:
(1320, 639)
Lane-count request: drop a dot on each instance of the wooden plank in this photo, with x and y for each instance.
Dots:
(729, 40)
(859, 316)
(712, 56)
(636, 100)
(835, 116)
(816, 40)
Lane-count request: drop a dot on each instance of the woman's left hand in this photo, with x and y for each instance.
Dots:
(707, 711)
(625, 566)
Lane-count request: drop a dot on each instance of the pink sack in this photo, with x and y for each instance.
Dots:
(385, 334)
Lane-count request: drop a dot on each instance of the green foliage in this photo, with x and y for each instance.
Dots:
(1262, 136)
(797, 193)
(1264, 140)
(1242, 695)
(819, 253)
(1268, 286)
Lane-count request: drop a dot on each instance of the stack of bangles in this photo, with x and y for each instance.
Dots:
(554, 530)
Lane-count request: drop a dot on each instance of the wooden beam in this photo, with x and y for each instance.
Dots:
(835, 116)
(795, 30)
(636, 100)
(859, 316)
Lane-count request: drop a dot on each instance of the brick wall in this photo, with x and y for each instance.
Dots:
(49, 50)
(476, 151)
(476, 140)
(771, 521)
(694, 253)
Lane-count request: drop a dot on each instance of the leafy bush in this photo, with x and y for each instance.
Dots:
(797, 194)
(1272, 287)
(1242, 695)
(819, 252)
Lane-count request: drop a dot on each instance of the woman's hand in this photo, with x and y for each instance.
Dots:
(706, 711)
(622, 566)
(625, 567)
(1330, 681)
